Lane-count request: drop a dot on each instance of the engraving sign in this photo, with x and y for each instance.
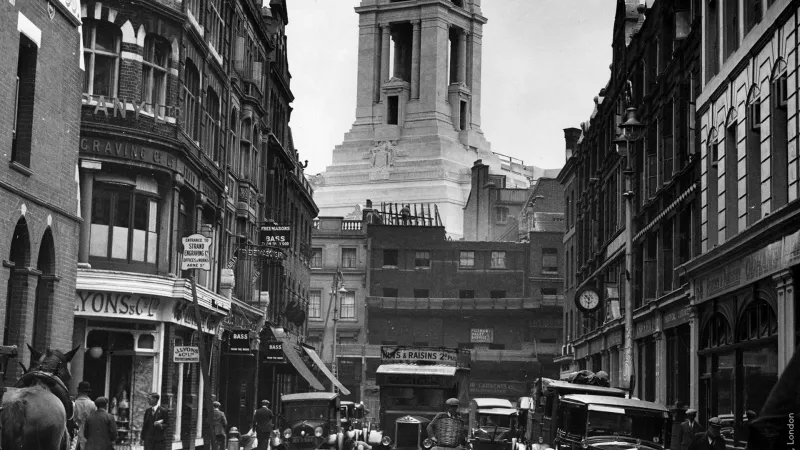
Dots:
(196, 252)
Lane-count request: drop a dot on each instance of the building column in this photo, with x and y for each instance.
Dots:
(661, 365)
(694, 380)
(415, 59)
(397, 70)
(376, 64)
(385, 38)
(87, 191)
(462, 56)
(175, 238)
(786, 317)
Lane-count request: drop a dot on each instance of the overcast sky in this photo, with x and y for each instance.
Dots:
(543, 63)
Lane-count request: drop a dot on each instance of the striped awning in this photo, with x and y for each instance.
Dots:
(666, 211)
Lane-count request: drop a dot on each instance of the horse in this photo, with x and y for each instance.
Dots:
(35, 411)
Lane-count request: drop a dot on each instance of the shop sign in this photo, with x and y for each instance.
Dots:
(274, 353)
(239, 341)
(481, 335)
(186, 354)
(497, 388)
(643, 328)
(276, 236)
(196, 252)
(117, 304)
(416, 355)
(677, 316)
(260, 252)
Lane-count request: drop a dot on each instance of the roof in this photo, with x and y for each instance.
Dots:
(492, 403)
(604, 400)
(498, 411)
(327, 396)
(525, 403)
(414, 369)
(567, 386)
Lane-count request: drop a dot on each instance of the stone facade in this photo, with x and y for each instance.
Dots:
(417, 127)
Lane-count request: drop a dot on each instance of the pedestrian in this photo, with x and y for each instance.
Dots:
(688, 429)
(262, 424)
(100, 428)
(447, 428)
(711, 439)
(540, 445)
(155, 424)
(220, 424)
(84, 407)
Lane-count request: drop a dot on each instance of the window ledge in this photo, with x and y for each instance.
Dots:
(422, 268)
(389, 267)
(20, 168)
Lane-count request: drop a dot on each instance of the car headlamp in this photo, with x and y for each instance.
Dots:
(287, 433)
(386, 440)
(318, 432)
(427, 443)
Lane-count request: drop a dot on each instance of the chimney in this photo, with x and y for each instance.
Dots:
(571, 136)
(480, 174)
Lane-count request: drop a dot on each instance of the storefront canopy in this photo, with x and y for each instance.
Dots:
(413, 369)
(324, 369)
(297, 362)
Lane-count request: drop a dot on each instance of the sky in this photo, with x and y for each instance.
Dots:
(544, 61)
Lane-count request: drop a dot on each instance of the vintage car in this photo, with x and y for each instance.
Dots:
(492, 424)
(353, 420)
(312, 422)
(525, 412)
(609, 423)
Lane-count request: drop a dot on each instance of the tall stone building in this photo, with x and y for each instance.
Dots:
(418, 122)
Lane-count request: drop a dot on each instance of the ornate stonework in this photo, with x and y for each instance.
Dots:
(383, 155)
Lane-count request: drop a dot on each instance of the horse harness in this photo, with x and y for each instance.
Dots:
(6, 352)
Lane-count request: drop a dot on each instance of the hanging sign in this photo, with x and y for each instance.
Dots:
(239, 341)
(186, 354)
(274, 353)
(276, 236)
(196, 252)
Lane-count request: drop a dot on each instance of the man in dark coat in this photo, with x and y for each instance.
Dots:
(434, 431)
(688, 429)
(219, 425)
(100, 429)
(262, 424)
(711, 439)
(154, 425)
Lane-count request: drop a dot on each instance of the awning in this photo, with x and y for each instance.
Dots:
(322, 367)
(413, 369)
(297, 362)
(666, 211)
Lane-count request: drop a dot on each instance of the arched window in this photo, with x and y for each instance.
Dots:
(756, 322)
(716, 332)
(191, 91)
(155, 63)
(101, 50)
(210, 141)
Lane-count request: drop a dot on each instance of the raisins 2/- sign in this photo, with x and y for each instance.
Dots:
(416, 355)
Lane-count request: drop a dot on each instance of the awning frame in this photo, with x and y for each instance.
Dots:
(324, 369)
(297, 361)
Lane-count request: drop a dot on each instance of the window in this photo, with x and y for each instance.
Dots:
(215, 25)
(549, 292)
(501, 214)
(195, 7)
(233, 143)
(753, 160)
(466, 293)
(392, 110)
(191, 92)
(314, 304)
(466, 259)
(731, 181)
(549, 260)
(316, 257)
(497, 294)
(779, 176)
(421, 293)
(348, 306)
(124, 226)
(25, 87)
(211, 130)
(390, 258)
(462, 115)
(155, 63)
(712, 40)
(390, 292)
(498, 260)
(422, 259)
(752, 14)
(731, 14)
(101, 48)
(245, 148)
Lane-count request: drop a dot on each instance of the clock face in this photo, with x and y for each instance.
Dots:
(589, 299)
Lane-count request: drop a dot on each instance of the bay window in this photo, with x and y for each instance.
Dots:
(124, 226)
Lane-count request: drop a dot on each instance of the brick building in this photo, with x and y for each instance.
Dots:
(656, 71)
(39, 111)
(742, 285)
(183, 131)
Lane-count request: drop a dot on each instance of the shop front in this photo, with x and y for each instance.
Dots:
(133, 328)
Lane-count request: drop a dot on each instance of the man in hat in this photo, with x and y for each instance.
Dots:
(688, 429)
(262, 424)
(100, 428)
(84, 407)
(219, 425)
(711, 439)
(434, 431)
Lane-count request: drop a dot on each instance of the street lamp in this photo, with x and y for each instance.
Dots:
(338, 280)
(632, 131)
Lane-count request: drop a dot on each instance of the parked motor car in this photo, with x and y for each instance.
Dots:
(353, 420)
(312, 421)
(609, 423)
(492, 424)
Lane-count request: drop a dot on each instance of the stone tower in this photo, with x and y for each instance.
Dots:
(418, 124)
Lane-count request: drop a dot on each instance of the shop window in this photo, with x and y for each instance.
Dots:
(716, 332)
(422, 259)
(757, 321)
(124, 226)
(348, 306)
(155, 63)
(191, 98)
(466, 259)
(101, 50)
(348, 257)
(498, 260)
